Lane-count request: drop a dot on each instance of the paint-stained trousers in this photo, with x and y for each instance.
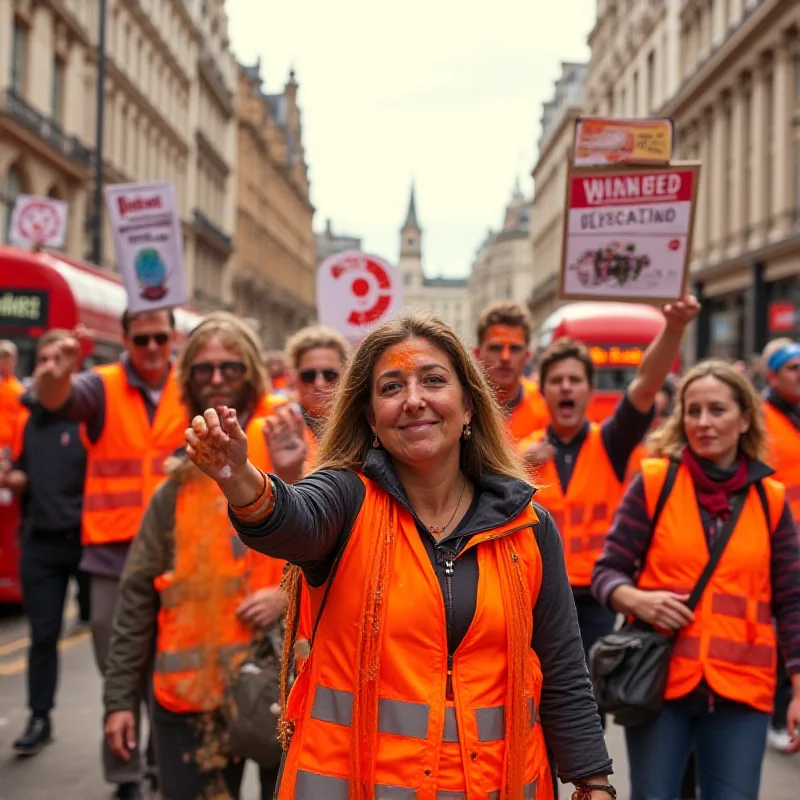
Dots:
(104, 594)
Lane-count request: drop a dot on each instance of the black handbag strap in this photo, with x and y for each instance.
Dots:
(666, 490)
(723, 537)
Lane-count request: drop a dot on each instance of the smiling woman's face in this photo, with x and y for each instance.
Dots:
(418, 408)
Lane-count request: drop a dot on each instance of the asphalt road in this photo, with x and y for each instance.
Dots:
(69, 769)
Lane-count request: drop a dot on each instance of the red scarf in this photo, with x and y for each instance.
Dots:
(714, 496)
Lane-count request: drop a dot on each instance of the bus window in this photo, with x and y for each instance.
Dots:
(615, 379)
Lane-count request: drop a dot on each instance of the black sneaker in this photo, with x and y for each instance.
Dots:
(36, 736)
(128, 791)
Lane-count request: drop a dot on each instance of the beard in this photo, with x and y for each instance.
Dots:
(242, 400)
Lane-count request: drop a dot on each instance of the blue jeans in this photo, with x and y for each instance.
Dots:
(728, 740)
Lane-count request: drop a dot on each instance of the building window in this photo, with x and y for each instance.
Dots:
(19, 57)
(651, 80)
(636, 93)
(57, 91)
(12, 188)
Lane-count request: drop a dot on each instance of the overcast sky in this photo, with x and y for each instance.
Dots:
(419, 89)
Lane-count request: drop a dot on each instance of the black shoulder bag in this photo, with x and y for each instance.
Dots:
(629, 667)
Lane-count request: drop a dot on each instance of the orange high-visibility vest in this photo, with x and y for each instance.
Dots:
(10, 392)
(784, 455)
(731, 642)
(530, 414)
(199, 639)
(639, 454)
(427, 747)
(583, 515)
(126, 464)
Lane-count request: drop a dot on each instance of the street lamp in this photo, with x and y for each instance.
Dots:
(97, 233)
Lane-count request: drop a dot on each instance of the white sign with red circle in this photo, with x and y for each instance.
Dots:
(356, 292)
(38, 221)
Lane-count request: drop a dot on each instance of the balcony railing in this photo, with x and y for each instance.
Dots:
(45, 128)
(202, 221)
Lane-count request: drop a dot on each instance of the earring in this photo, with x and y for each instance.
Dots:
(467, 431)
(376, 442)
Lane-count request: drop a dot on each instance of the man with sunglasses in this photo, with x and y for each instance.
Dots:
(133, 419)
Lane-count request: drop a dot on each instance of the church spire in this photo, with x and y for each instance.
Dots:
(411, 217)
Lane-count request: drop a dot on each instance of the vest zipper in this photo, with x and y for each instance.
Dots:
(447, 558)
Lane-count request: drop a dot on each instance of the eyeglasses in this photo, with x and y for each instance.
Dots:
(204, 371)
(310, 375)
(144, 339)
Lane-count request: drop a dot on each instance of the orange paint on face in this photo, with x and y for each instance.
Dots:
(404, 359)
(508, 337)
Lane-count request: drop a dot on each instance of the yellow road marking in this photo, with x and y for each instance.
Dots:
(13, 646)
(15, 667)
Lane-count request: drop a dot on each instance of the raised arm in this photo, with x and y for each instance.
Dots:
(660, 356)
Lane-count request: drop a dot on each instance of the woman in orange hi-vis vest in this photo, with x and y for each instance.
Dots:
(708, 479)
(191, 585)
(447, 658)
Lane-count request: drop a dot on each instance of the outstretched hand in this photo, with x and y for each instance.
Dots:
(217, 444)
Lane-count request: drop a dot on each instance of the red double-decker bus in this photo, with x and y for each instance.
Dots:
(616, 334)
(44, 290)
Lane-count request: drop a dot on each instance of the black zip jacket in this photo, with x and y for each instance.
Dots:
(311, 524)
(54, 459)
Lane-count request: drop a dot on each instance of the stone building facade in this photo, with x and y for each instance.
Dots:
(503, 266)
(550, 185)
(728, 73)
(275, 257)
(447, 298)
(169, 115)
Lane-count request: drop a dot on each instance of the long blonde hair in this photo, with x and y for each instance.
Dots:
(670, 438)
(237, 336)
(348, 437)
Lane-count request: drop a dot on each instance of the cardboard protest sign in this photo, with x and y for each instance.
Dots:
(627, 233)
(606, 142)
(148, 239)
(38, 222)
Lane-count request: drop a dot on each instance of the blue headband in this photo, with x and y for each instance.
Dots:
(779, 358)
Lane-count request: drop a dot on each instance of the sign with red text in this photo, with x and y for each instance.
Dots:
(356, 292)
(148, 239)
(627, 233)
(38, 222)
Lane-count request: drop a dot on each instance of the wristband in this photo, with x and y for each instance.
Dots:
(583, 791)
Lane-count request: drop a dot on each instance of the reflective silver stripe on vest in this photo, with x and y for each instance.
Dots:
(534, 712)
(403, 719)
(528, 791)
(192, 658)
(491, 723)
(182, 592)
(333, 705)
(394, 793)
(450, 725)
(313, 786)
